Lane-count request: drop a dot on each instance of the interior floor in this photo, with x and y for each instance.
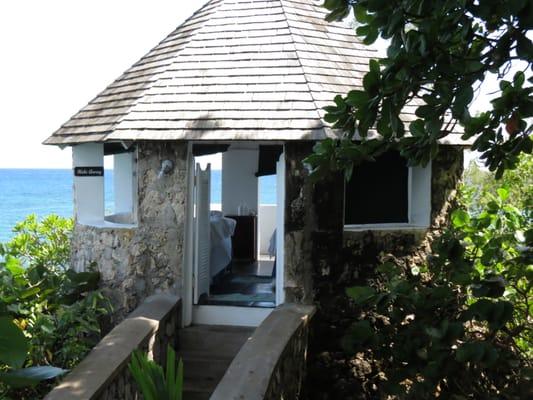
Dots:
(244, 284)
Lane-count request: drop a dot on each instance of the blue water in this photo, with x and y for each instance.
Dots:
(47, 191)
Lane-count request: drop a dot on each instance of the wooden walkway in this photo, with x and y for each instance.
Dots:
(207, 352)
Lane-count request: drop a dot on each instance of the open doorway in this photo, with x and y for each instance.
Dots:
(241, 222)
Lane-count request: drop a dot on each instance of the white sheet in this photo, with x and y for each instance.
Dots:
(222, 230)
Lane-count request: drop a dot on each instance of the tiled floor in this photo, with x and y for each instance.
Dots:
(245, 285)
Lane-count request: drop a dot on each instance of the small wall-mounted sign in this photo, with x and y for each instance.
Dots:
(89, 171)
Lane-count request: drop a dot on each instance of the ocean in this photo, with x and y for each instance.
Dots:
(47, 191)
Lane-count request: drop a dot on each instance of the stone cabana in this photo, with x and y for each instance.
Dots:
(241, 74)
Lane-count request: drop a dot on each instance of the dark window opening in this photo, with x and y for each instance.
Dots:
(378, 192)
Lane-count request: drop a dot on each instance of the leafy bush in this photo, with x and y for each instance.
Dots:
(481, 186)
(13, 350)
(461, 325)
(58, 310)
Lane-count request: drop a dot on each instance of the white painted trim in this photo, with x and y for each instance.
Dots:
(383, 227)
(88, 190)
(189, 243)
(229, 315)
(213, 314)
(107, 224)
(418, 203)
(202, 232)
(420, 200)
(124, 182)
(280, 231)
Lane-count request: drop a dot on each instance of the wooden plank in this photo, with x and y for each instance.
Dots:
(219, 115)
(313, 55)
(203, 35)
(209, 124)
(243, 41)
(289, 46)
(233, 88)
(227, 105)
(229, 80)
(219, 134)
(267, 55)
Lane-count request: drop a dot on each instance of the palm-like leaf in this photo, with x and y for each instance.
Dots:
(154, 383)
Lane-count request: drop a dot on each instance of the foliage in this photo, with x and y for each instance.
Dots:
(13, 350)
(56, 310)
(469, 309)
(438, 54)
(480, 186)
(156, 384)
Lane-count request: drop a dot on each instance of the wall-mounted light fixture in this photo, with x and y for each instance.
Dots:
(167, 166)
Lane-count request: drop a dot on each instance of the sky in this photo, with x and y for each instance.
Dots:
(56, 55)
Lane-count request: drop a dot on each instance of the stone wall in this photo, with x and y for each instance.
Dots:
(271, 365)
(104, 374)
(321, 260)
(288, 376)
(137, 262)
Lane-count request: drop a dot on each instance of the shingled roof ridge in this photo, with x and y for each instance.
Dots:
(282, 2)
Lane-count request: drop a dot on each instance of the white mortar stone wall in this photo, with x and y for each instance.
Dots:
(137, 262)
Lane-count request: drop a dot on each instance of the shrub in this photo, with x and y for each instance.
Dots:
(459, 326)
(57, 309)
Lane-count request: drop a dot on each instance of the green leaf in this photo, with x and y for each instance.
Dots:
(477, 352)
(462, 99)
(470, 352)
(358, 334)
(361, 14)
(496, 313)
(417, 128)
(357, 98)
(361, 294)
(371, 79)
(434, 332)
(503, 193)
(524, 48)
(460, 218)
(31, 376)
(519, 79)
(389, 270)
(13, 343)
(14, 266)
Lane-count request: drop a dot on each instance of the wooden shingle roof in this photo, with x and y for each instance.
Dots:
(235, 70)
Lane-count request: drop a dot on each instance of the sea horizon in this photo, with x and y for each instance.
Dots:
(44, 191)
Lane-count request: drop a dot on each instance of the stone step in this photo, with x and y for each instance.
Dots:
(207, 352)
(187, 395)
(195, 368)
(200, 386)
(220, 341)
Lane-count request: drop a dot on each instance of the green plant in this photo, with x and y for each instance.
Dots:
(480, 186)
(154, 383)
(13, 351)
(439, 53)
(57, 310)
(468, 309)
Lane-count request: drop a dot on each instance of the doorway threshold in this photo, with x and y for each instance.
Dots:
(229, 315)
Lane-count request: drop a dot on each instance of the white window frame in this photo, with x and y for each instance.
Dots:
(89, 191)
(418, 203)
